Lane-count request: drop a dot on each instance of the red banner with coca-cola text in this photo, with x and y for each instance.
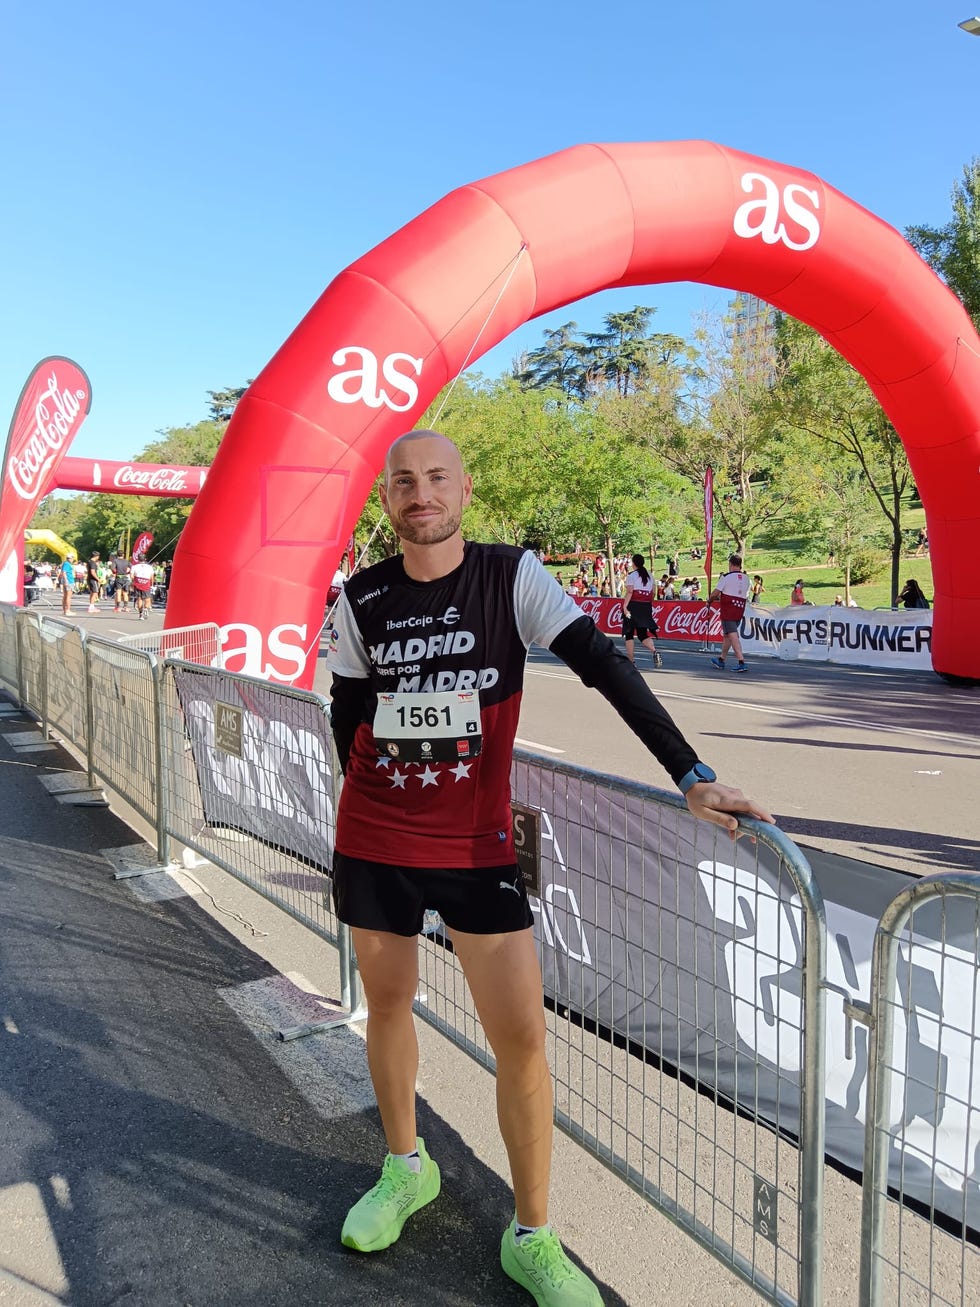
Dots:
(143, 542)
(52, 407)
(678, 619)
(158, 480)
(307, 440)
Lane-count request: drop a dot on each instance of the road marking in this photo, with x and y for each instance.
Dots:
(853, 722)
(545, 748)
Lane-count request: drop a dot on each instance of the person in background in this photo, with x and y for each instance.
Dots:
(838, 601)
(66, 584)
(30, 582)
(447, 844)
(142, 583)
(911, 595)
(797, 597)
(638, 619)
(122, 575)
(758, 585)
(92, 581)
(731, 593)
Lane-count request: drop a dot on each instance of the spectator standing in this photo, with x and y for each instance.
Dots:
(66, 584)
(447, 843)
(731, 592)
(758, 585)
(911, 595)
(141, 574)
(797, 597)
(30, 582)
(92, 581)
(122, 570)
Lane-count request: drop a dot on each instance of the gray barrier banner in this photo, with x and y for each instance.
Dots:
(67, 684)
(694, 952)
(263, 757)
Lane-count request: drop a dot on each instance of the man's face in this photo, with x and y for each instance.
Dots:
(425, 489)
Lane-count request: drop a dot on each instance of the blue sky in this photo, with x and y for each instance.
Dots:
(181, 182)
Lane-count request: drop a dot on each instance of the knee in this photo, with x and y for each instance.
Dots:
(389, 1001)
(521, 1042)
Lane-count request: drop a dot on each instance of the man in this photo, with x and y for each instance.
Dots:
(66, 584)
(122, 576)
(92, 581)
(731, 592)
(142, 581)
(429, 670)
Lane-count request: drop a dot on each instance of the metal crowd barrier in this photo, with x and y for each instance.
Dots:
(928, 939)
(640, 913)
(191, 644)
(685, 977)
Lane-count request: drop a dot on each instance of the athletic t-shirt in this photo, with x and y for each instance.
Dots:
(142, 577)
(641, 600)
(734, 587)
(468, 631)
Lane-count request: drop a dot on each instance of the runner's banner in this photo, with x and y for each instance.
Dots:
(52, 406)
(863, 637)
(263, 760)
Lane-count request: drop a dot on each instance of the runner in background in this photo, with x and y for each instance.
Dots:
(638, 619)
(142, 575)
(122, 570)
(730, 593)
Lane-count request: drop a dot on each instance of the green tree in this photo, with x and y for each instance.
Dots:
(953, 250)
(823, 397)
(621, 355)
(224, 402)
(719, 411)
(559, 364)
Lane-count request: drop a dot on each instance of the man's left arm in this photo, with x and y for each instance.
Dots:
(593, 657)
(597, 662)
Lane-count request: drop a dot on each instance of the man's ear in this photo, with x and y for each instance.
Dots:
(467, 489)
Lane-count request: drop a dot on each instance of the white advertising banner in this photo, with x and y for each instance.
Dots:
(879, 637)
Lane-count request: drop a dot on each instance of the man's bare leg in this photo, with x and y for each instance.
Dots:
(505, 980)
(389, 967)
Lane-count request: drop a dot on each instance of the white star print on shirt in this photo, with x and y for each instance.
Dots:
(461, 771)
(398, 779)
(428, 777)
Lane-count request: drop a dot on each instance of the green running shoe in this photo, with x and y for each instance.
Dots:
(375, 1221)
(538, 1263)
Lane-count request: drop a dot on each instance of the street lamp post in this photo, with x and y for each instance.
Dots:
(971, 25)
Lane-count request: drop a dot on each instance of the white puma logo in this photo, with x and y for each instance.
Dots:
(505, 884)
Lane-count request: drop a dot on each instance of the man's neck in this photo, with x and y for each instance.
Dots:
(431, 562)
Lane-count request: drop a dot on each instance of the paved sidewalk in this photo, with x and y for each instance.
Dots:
(156, 1151)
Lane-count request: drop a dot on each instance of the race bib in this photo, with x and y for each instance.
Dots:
(429, 727)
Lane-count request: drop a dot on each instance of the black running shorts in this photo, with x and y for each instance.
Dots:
(477, 901)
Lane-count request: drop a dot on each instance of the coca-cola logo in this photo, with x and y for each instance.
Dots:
(685, 620)
(43, 427)
(151, 478)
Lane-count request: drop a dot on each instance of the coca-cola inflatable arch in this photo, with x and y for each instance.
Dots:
(308, 439)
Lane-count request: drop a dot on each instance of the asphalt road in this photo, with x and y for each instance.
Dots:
(873, 765)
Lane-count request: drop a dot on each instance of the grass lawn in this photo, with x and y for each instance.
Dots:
(781, 562)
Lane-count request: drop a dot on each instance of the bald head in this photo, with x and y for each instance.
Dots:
(444, 452)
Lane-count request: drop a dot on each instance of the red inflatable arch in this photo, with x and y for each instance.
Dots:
(308, 438)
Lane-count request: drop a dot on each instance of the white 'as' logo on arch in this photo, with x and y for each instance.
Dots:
(762, 214)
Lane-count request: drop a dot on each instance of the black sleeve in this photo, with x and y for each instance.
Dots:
(349, 697)
(594, 658)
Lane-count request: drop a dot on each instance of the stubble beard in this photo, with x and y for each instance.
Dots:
(433, 533)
